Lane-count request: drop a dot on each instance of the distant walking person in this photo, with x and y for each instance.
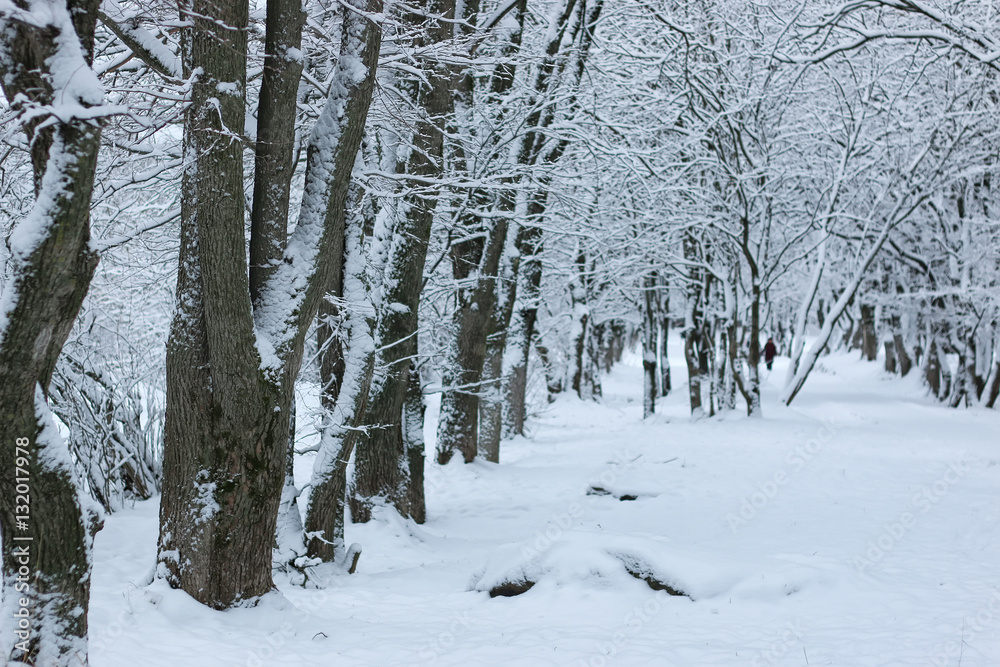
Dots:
(769, 352)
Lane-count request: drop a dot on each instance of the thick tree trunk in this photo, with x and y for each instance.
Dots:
(592, 367)
(231, 364)
(580, 326)
(962, 385)
(491, 399)
(344, 413)
(382, 453)
(46, 524)
(221, 433)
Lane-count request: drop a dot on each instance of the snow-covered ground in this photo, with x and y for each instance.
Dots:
(859, 527)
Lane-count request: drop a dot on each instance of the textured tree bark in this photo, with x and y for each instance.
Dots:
(275, 151)
(566, 17)
(381, 451)
(327, 501)
(960, 389)
(458, 428)
(592, 366)
(491, 412)
(46, 523)
(229, 397)
(346, 383)
(289, 538)
(491, 402)
(413, 443)
(888, 345)
(529, 247)
(221, 434)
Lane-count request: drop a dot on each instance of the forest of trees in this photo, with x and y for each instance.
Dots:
(210, 206)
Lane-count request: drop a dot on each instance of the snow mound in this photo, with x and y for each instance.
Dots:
(605, 560)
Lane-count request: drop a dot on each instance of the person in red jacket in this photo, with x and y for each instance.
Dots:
(769, 352)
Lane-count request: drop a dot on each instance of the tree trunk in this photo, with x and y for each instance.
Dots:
(890, 356)
(869, 341)
(476, 263)
(960, 389)
(753, 357)
(529, 247)
(346, 383)
(662, 356)
(793, 386)
(799, 330)
(649, 346)
(274, 154)
(932, 369)
(905, 364)
(592, 367)
(992, 387)
(382, 457)
(458, 428)
(221, 433)
(693, 326)
(232, 363)
(46, 525)
(289, 542)
(382, 451)
(691, 354)
(413, 444)
(491, 403)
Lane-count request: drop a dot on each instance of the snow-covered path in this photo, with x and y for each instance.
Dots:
(860, 527)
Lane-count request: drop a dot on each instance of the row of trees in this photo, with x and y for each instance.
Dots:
(763, 172)
(491, 201)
